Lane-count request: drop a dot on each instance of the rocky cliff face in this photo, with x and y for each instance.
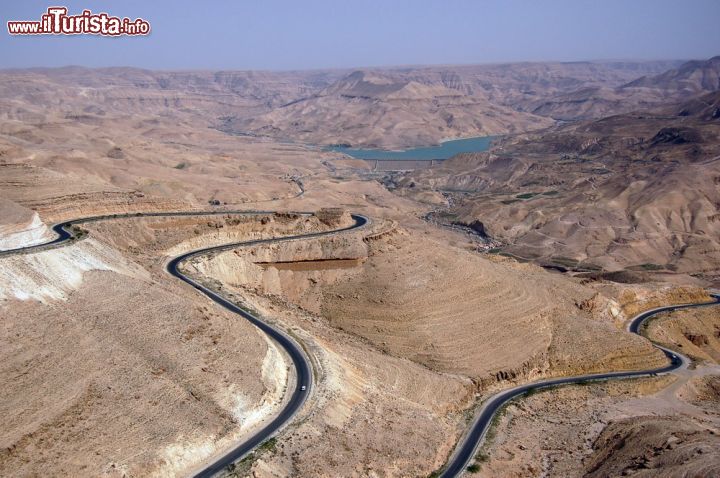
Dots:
(20, 226)
(295, 270)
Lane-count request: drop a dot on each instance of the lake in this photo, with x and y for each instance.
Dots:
(445, 150)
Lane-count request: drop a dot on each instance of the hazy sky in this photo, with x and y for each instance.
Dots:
(296, 34)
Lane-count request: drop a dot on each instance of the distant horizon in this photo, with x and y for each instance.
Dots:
(285, 35)
(361, 67)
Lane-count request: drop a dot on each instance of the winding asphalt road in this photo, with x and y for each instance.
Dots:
(300, 361)
(468, 446)
(466, 449)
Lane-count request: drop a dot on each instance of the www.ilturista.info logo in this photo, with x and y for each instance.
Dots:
(57, 22)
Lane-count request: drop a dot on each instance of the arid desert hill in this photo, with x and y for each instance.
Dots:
(112, 367)
(650, 91)
(424, 105)
(395, 107)
(690, 78)
(637, 190)
(383, 111)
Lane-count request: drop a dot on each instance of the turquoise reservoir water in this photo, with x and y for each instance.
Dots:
(444, 151)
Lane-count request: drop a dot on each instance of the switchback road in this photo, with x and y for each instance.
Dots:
(468, 446)
(303, 383)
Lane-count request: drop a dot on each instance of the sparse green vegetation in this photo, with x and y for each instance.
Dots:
(574, 264)
(550, 193)
(447, 215)
(482, 455)
(509, 201)
(78, 232)
(182, 165)
(534, 391)
(565, 261)
(526, 195)
(513, 256)
(242, 467)
(530, 393)
(646, 267)
(600, 171)
(268, 445)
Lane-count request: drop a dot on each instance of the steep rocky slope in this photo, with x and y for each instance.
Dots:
(695, 332)
(20, 226)
(689, 79)
(383, 110)
(661, 426)
(112, 367)
(381, 312)
(636, 190)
